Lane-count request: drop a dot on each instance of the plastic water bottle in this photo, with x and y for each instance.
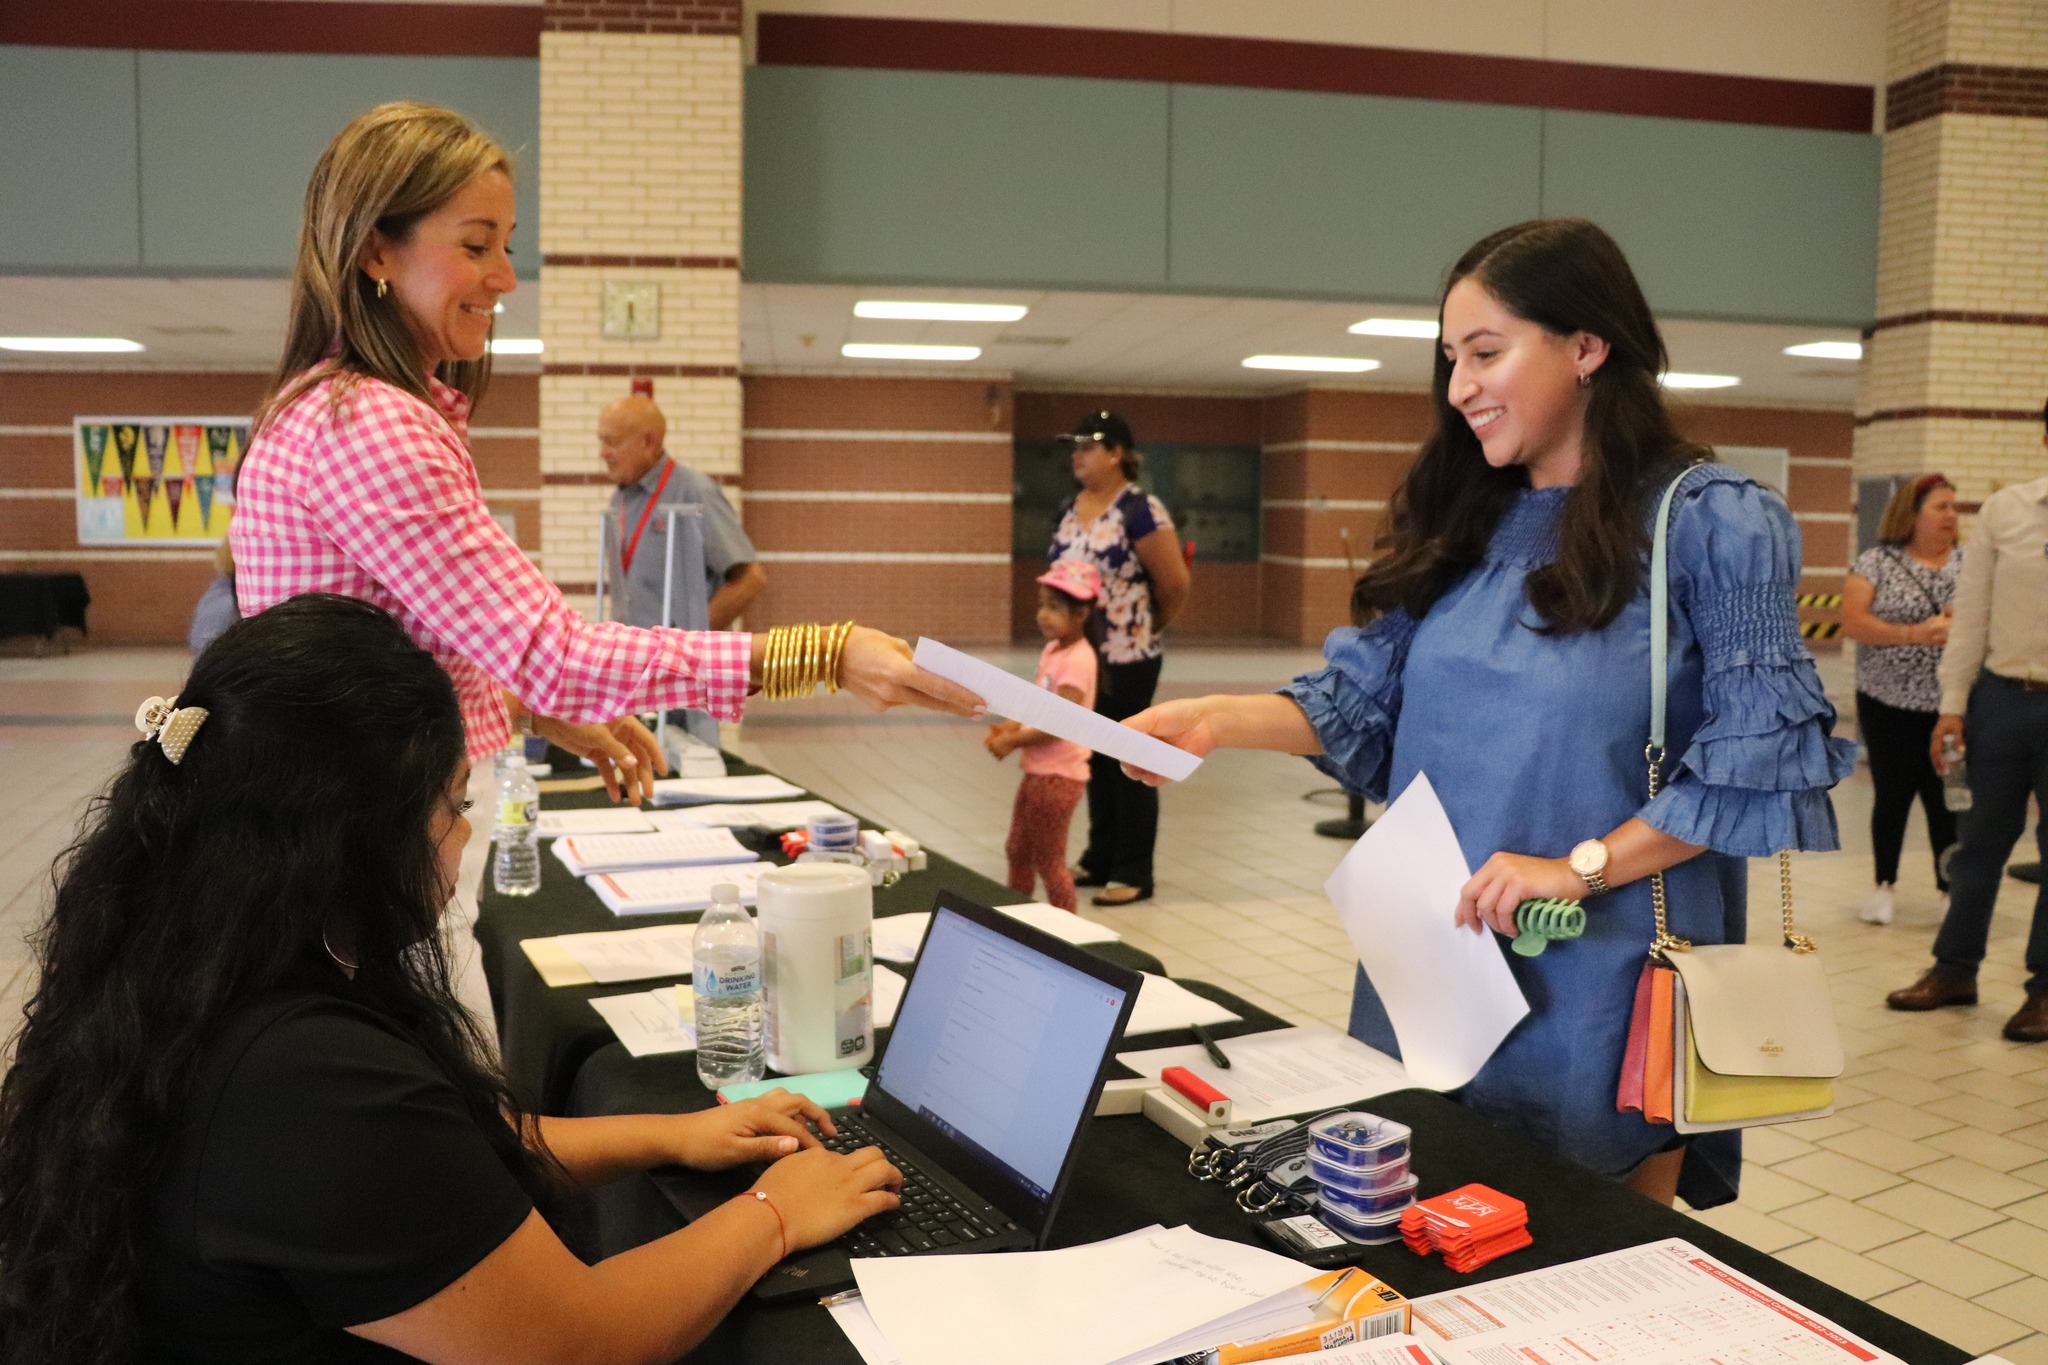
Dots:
(725, 977)
(1955, 783)
(516, 871)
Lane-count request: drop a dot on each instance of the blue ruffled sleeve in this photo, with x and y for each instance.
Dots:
(1354, 702)
(1755, 778)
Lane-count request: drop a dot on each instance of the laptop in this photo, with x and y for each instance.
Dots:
(995, 1062)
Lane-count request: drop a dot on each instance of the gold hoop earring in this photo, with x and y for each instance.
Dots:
(384, 287)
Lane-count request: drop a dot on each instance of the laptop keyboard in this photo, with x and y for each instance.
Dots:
(931, 1217)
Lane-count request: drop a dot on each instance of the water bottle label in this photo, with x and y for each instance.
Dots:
(737, 981)
(512, 812)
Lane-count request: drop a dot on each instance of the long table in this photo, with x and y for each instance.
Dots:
(1130, 1173)
(546, 1034)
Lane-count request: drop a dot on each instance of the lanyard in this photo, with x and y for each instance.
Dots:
(632, 547)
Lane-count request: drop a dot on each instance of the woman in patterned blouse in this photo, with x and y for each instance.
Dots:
(1896, 606)
(1127, 535)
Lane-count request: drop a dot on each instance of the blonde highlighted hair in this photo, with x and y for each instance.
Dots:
(385, 171)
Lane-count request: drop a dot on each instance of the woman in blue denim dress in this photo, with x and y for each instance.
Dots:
(1504, 650)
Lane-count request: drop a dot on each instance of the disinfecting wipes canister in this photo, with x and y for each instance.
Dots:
(817, 966)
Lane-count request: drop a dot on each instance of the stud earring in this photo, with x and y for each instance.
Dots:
(384, 287)
(1585, 376)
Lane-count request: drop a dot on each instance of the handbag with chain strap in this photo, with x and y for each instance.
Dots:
(1751, 1035)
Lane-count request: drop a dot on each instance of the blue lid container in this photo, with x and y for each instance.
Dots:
(840, 833)
(1357, 1179)
(1366, 1231)
(1369, 1206)
(1353, 1138)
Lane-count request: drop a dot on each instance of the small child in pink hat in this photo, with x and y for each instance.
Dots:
(1055, 770)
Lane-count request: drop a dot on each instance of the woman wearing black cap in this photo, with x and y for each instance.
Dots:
(1126, 533)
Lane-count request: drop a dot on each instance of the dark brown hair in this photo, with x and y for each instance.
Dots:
(1565, 275)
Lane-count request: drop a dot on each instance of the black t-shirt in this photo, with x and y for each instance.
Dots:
(326, 1175)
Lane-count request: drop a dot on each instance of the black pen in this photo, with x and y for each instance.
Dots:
(1208, 1040)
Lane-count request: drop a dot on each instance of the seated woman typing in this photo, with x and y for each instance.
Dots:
(247, 1119)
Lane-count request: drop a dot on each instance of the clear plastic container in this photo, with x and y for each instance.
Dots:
(1368, 1207)
(1358, 1139)
(1365, 1229)
(1358, 1179)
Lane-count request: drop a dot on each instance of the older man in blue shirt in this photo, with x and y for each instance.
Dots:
(630, 436)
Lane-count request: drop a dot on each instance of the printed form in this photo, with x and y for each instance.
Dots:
(1663, 1303)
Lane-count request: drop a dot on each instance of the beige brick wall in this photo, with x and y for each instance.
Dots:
(1925, 33)
(640, 161)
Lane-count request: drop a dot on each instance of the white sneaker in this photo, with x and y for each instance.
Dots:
(1878, 909)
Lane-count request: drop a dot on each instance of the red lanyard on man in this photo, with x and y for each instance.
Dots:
(632, 546)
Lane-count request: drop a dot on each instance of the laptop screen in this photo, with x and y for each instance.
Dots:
(998, 1046)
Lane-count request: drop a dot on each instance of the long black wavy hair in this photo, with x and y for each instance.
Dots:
(1565, 275)
(301, 816)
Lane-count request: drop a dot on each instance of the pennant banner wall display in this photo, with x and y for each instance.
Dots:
(181, 495)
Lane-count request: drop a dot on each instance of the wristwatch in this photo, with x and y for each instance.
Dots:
(1589, 860)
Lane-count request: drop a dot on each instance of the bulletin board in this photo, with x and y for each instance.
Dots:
(155, 480)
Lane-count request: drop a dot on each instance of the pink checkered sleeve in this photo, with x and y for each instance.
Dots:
(400, 498)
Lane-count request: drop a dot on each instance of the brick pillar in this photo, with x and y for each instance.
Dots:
(1956, 364)
(640, 185)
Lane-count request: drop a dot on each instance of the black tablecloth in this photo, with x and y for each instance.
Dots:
(41, 603)
(547, 1033)
(1131, 1173)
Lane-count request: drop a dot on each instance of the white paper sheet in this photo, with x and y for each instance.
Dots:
(598, 820)
(772, 815)
(1020, 700)
(1662, 1303)
(1447, 990)
(584, 854)
(647, 1022)
(1088, 1305)
(897, 936)
(672, 890)
(1285, 1071)
(632, 954)
(690, 791)
(1164, 1003)
(1398, 1349)
(859, 1325)
(889, 988)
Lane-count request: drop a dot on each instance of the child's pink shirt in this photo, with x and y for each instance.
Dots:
(1063, 666)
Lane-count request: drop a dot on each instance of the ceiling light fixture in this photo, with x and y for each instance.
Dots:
(71, 345)
(868, 350)
(1321, 364)
(1424, 328)
(1679, 379)
(1828, 350)
(516, 346)
(940, 312)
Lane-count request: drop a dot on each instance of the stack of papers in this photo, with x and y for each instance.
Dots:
(673, 890)
(897, 937)
(698, 791)
(1164, 1004)
(771, 815)
(1155, 1295)
(1284, 1071)
(584, 854)
(665, 1019)
(626, 954)
(594, 820)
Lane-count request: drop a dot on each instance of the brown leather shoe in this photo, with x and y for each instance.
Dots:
(2030, 1025)
(1935, 989)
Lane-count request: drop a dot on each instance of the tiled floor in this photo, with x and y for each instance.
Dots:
(1926, 1193)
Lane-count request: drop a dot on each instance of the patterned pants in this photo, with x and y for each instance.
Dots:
(1038, 836)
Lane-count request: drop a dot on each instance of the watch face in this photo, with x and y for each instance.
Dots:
(1590, 856)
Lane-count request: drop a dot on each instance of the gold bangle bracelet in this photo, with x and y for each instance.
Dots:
(814, 655)
(841, 633)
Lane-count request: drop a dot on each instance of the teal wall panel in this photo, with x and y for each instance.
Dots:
(67, 159)
(902, 176)
(229, 141)
(1309, 196)
(1726, 220)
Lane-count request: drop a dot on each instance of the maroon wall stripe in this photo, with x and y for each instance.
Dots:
(574, 480)
(423, 30)
(1957, 315)
(646, 262)
(1265, 64)
(648, 371)
(1966, 88)
(1965, 414)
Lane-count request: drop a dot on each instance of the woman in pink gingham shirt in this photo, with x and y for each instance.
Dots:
(359, 480)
